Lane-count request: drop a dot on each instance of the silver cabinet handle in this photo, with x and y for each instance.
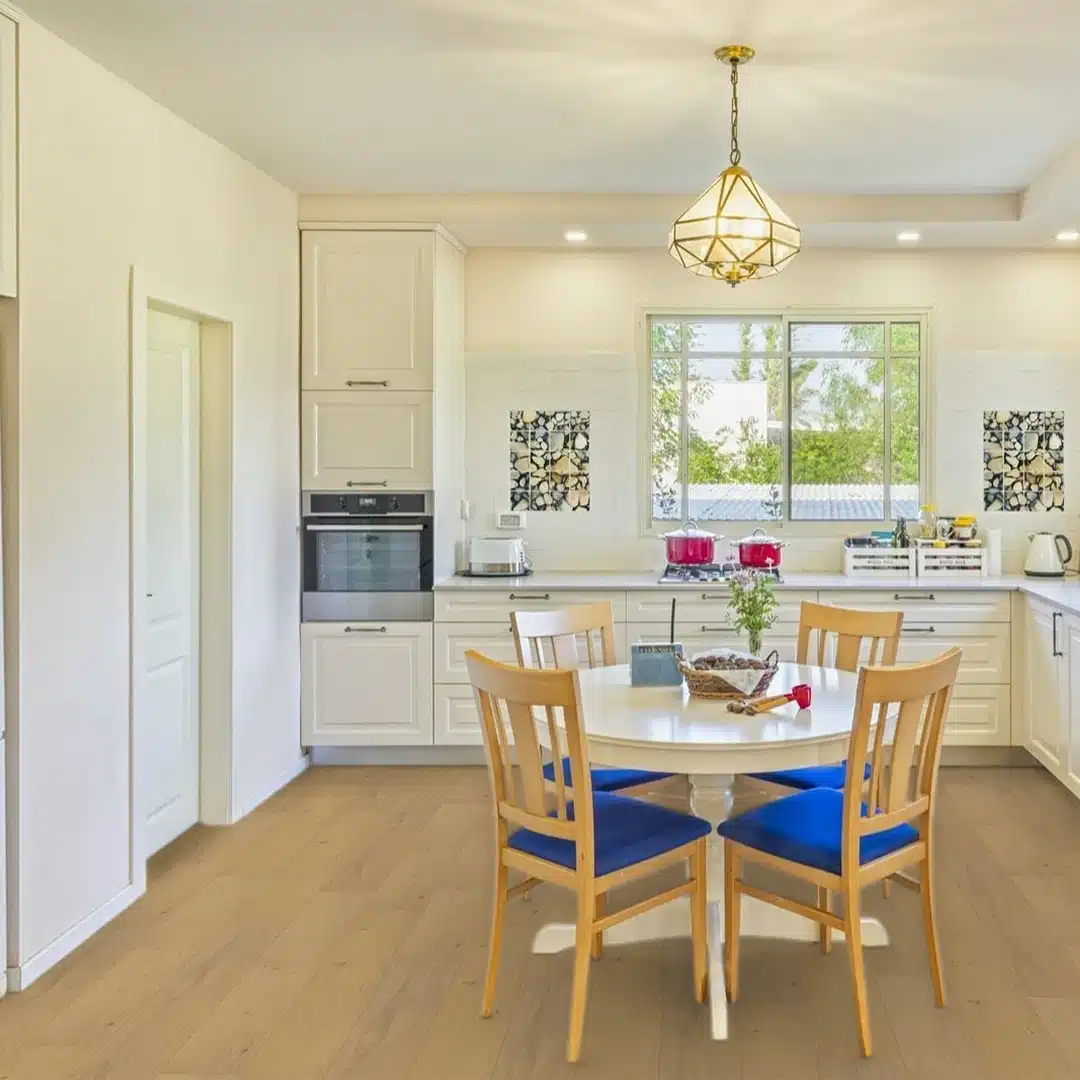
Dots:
(913, 596)
(718, 630)
(530, 596)
(367, 382)
(365, 483)
(919, 630)
(715, 596)
(365, 629)
(1056, 650)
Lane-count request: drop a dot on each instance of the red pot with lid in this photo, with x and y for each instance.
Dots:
(690, 546)
(760, 551)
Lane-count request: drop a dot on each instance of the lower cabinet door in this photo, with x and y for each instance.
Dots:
(457, 720)
(978, 716)
(366, 684)
(1071, 647)
(697, 637)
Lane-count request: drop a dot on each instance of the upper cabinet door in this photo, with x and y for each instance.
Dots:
(367, 310)
(365, 440)
(8, 157)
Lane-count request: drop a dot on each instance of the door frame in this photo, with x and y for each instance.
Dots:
(213, 618)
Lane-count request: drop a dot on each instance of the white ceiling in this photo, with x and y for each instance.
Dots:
(610, 96)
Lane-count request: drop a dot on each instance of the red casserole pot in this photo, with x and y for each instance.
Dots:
(760, 551)
(690, 546)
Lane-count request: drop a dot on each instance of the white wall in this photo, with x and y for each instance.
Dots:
(110, 179)
(562, 329)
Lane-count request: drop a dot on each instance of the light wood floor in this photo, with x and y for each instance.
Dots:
(341, 931)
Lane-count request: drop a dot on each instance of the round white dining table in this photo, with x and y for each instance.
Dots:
(664, 729)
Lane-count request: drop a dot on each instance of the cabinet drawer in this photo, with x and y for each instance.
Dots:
(927, 605)
(495, 640)
(366, 684)
(696, 637)
(457, 720)
(979, 716)
(986, 658)
(704, 604)
(367, 440)
(495, 605)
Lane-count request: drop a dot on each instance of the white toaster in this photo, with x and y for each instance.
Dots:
(497, 556)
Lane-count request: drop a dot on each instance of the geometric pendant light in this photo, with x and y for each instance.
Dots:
(734, 232)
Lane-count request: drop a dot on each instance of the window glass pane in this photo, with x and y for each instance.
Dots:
(735, 439)
(905, 337)
(666, 337)
(666, 441)
(735, 335)
(904, 428)
(837, 439)
(838, 337)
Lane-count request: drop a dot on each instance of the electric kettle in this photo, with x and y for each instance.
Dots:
(1047, 555)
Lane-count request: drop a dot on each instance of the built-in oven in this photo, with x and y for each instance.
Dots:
(367, 556)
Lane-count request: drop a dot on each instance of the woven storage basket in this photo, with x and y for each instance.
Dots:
(713, 683)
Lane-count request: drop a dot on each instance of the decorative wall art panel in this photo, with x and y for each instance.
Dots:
(1023, 460)
(549, 460)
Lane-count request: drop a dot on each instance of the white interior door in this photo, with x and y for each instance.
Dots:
(170, 746)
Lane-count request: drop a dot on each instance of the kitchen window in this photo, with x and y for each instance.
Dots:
(786, 418)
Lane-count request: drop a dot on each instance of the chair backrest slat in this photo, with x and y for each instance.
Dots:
(528, 697)
(848, 630)
(911, 702)
(538, 634)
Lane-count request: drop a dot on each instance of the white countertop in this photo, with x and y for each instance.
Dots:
(1064, 593)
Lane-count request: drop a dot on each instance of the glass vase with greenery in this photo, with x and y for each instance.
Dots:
(752, 607)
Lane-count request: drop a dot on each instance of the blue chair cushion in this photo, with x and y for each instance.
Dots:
(607, 779)
(830, 776)
(807, 827)
(625, 831)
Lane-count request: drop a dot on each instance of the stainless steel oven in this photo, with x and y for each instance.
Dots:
(367, 556)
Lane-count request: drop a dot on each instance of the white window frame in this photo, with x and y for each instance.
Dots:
(787, 316)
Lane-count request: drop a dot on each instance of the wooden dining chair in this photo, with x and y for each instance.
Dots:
(589, 844)
(840, 843)
(550, 639)
(839, 636)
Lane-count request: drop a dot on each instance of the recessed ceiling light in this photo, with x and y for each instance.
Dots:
(1067, 236)
(576, 236)
(909, 236)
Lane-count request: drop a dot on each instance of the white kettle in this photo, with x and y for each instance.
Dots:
(1047, 555)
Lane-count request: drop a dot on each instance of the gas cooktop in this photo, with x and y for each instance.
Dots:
(706, 574)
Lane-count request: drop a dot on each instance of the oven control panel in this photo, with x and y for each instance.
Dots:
(383, 502)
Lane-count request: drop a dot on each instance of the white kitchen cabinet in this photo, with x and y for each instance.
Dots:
(925, 604)
(1047, 691)
(495, 605)
(696, 637)
(1071, 762)
(366, 684)
(457, 719)
(365, 440)
(705, 604)
(8, 156)
(979, 715)
(367, 310)
(986, 648)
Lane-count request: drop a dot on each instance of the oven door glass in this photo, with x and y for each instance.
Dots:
(365, 558)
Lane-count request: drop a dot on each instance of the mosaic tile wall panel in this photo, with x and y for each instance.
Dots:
(549, 460)
(1023, 460)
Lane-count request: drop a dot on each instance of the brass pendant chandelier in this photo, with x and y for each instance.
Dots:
(734, 232)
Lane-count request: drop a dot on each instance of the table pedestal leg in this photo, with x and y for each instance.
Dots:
(712, 798)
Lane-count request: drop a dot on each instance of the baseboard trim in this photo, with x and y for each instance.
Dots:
(20, 977)
(287, 776)
(397, 755)
(1011, 757)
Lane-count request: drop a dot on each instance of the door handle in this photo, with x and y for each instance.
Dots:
(365, 483)
(1054, 623)
(919, 630)
(365, 629)
(913, 596)
(530, 596)
(718, 630)
(367, 382)
(715, 596)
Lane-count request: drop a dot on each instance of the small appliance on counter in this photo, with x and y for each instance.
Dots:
(498, 556)
(1047, 555)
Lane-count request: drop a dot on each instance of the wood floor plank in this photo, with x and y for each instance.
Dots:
(341, 931)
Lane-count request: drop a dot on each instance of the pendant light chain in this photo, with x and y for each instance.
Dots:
(736, 153)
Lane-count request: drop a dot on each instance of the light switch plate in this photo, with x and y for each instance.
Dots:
(510, 519)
